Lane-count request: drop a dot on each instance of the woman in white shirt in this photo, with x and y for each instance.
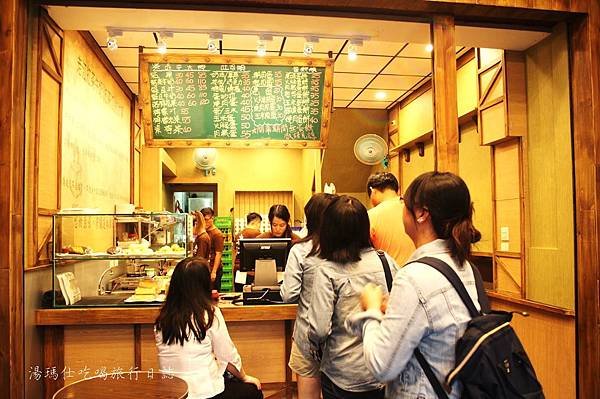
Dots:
(193, 342)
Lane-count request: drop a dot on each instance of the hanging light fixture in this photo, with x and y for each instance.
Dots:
(261, 44)
(353, 48)
(309, 45)
(161, 43)
(213, 42)
(111, 39)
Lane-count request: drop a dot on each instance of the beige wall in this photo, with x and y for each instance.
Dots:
(550, 250)
(94, 172)
(241, 170)
(95, 132)
(339, 164)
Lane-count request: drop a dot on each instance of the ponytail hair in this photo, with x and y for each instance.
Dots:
(446, 197)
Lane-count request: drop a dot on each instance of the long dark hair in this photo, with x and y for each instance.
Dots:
(281, 212)
(188, 306)
(313, 210)
(447, 198)
(345, 230)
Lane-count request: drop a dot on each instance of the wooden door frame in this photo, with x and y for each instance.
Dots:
(584, 72)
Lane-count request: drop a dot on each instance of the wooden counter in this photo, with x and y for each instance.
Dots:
(147, 315)
(80, 342)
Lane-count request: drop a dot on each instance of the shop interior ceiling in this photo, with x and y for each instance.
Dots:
(393, 60)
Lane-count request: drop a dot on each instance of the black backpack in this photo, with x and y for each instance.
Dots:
(490, 360)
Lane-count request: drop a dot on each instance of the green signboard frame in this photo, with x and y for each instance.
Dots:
(192, 120)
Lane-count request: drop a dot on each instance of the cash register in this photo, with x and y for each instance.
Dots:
(265, 257)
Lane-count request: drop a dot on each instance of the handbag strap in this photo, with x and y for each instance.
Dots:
(386, 269)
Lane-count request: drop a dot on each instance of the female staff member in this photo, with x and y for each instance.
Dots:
(279, 218)
(424, 311)
(349, 263)
(192, 338)
(297, 286)
(202, 244)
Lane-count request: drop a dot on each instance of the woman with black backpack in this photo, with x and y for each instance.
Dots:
(423, 311)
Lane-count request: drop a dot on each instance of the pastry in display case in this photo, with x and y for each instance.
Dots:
(116, 259)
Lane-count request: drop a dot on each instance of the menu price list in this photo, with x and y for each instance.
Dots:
(235, 101)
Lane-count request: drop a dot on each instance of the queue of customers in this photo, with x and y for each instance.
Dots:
(352, 338)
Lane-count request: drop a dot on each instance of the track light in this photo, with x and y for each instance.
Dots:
(309, 45)
(111, 43)
(213, 42)
(161, 43)
(353, 48)
(261, 44)
(261, 48)
(111, 40)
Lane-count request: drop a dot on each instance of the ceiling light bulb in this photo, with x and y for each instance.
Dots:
(161, 46)
(429, 48)
(261, 48)
(308, 48)
(352, 52)
(111, 43)
(380, 95)
(212, 46)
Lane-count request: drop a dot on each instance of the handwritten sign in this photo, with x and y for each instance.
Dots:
(235, 101)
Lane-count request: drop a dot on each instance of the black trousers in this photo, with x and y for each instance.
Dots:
(236, 389)
(332, 391)
(217, 283)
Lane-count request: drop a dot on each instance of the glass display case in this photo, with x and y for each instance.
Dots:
(116, 259)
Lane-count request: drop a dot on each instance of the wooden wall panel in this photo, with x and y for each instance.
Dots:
(113, 350)
(394, 166)
(417, 165)
(260, 202)
(551, 246)
(48, 143)
(492, 124)
(466, 87)
(494, 78)
(508, 275)
(416, 118)
(516, 93)
(507, 194)
(44, 235)
(488, 57)
(475, 168)
(267, 363)
(549, 340)
(149, 351)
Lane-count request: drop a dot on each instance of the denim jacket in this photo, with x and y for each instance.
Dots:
(336, 295)
(423, 311)
(297, 286)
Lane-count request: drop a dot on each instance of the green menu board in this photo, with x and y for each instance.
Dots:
(235, 101)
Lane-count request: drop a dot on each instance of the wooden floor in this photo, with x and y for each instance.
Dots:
(280, 391)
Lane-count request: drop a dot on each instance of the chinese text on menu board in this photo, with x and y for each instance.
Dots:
(235, 101)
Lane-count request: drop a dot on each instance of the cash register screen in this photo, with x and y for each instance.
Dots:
(253, 249)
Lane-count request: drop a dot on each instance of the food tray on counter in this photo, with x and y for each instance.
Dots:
(105, 255)
(136, 299)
